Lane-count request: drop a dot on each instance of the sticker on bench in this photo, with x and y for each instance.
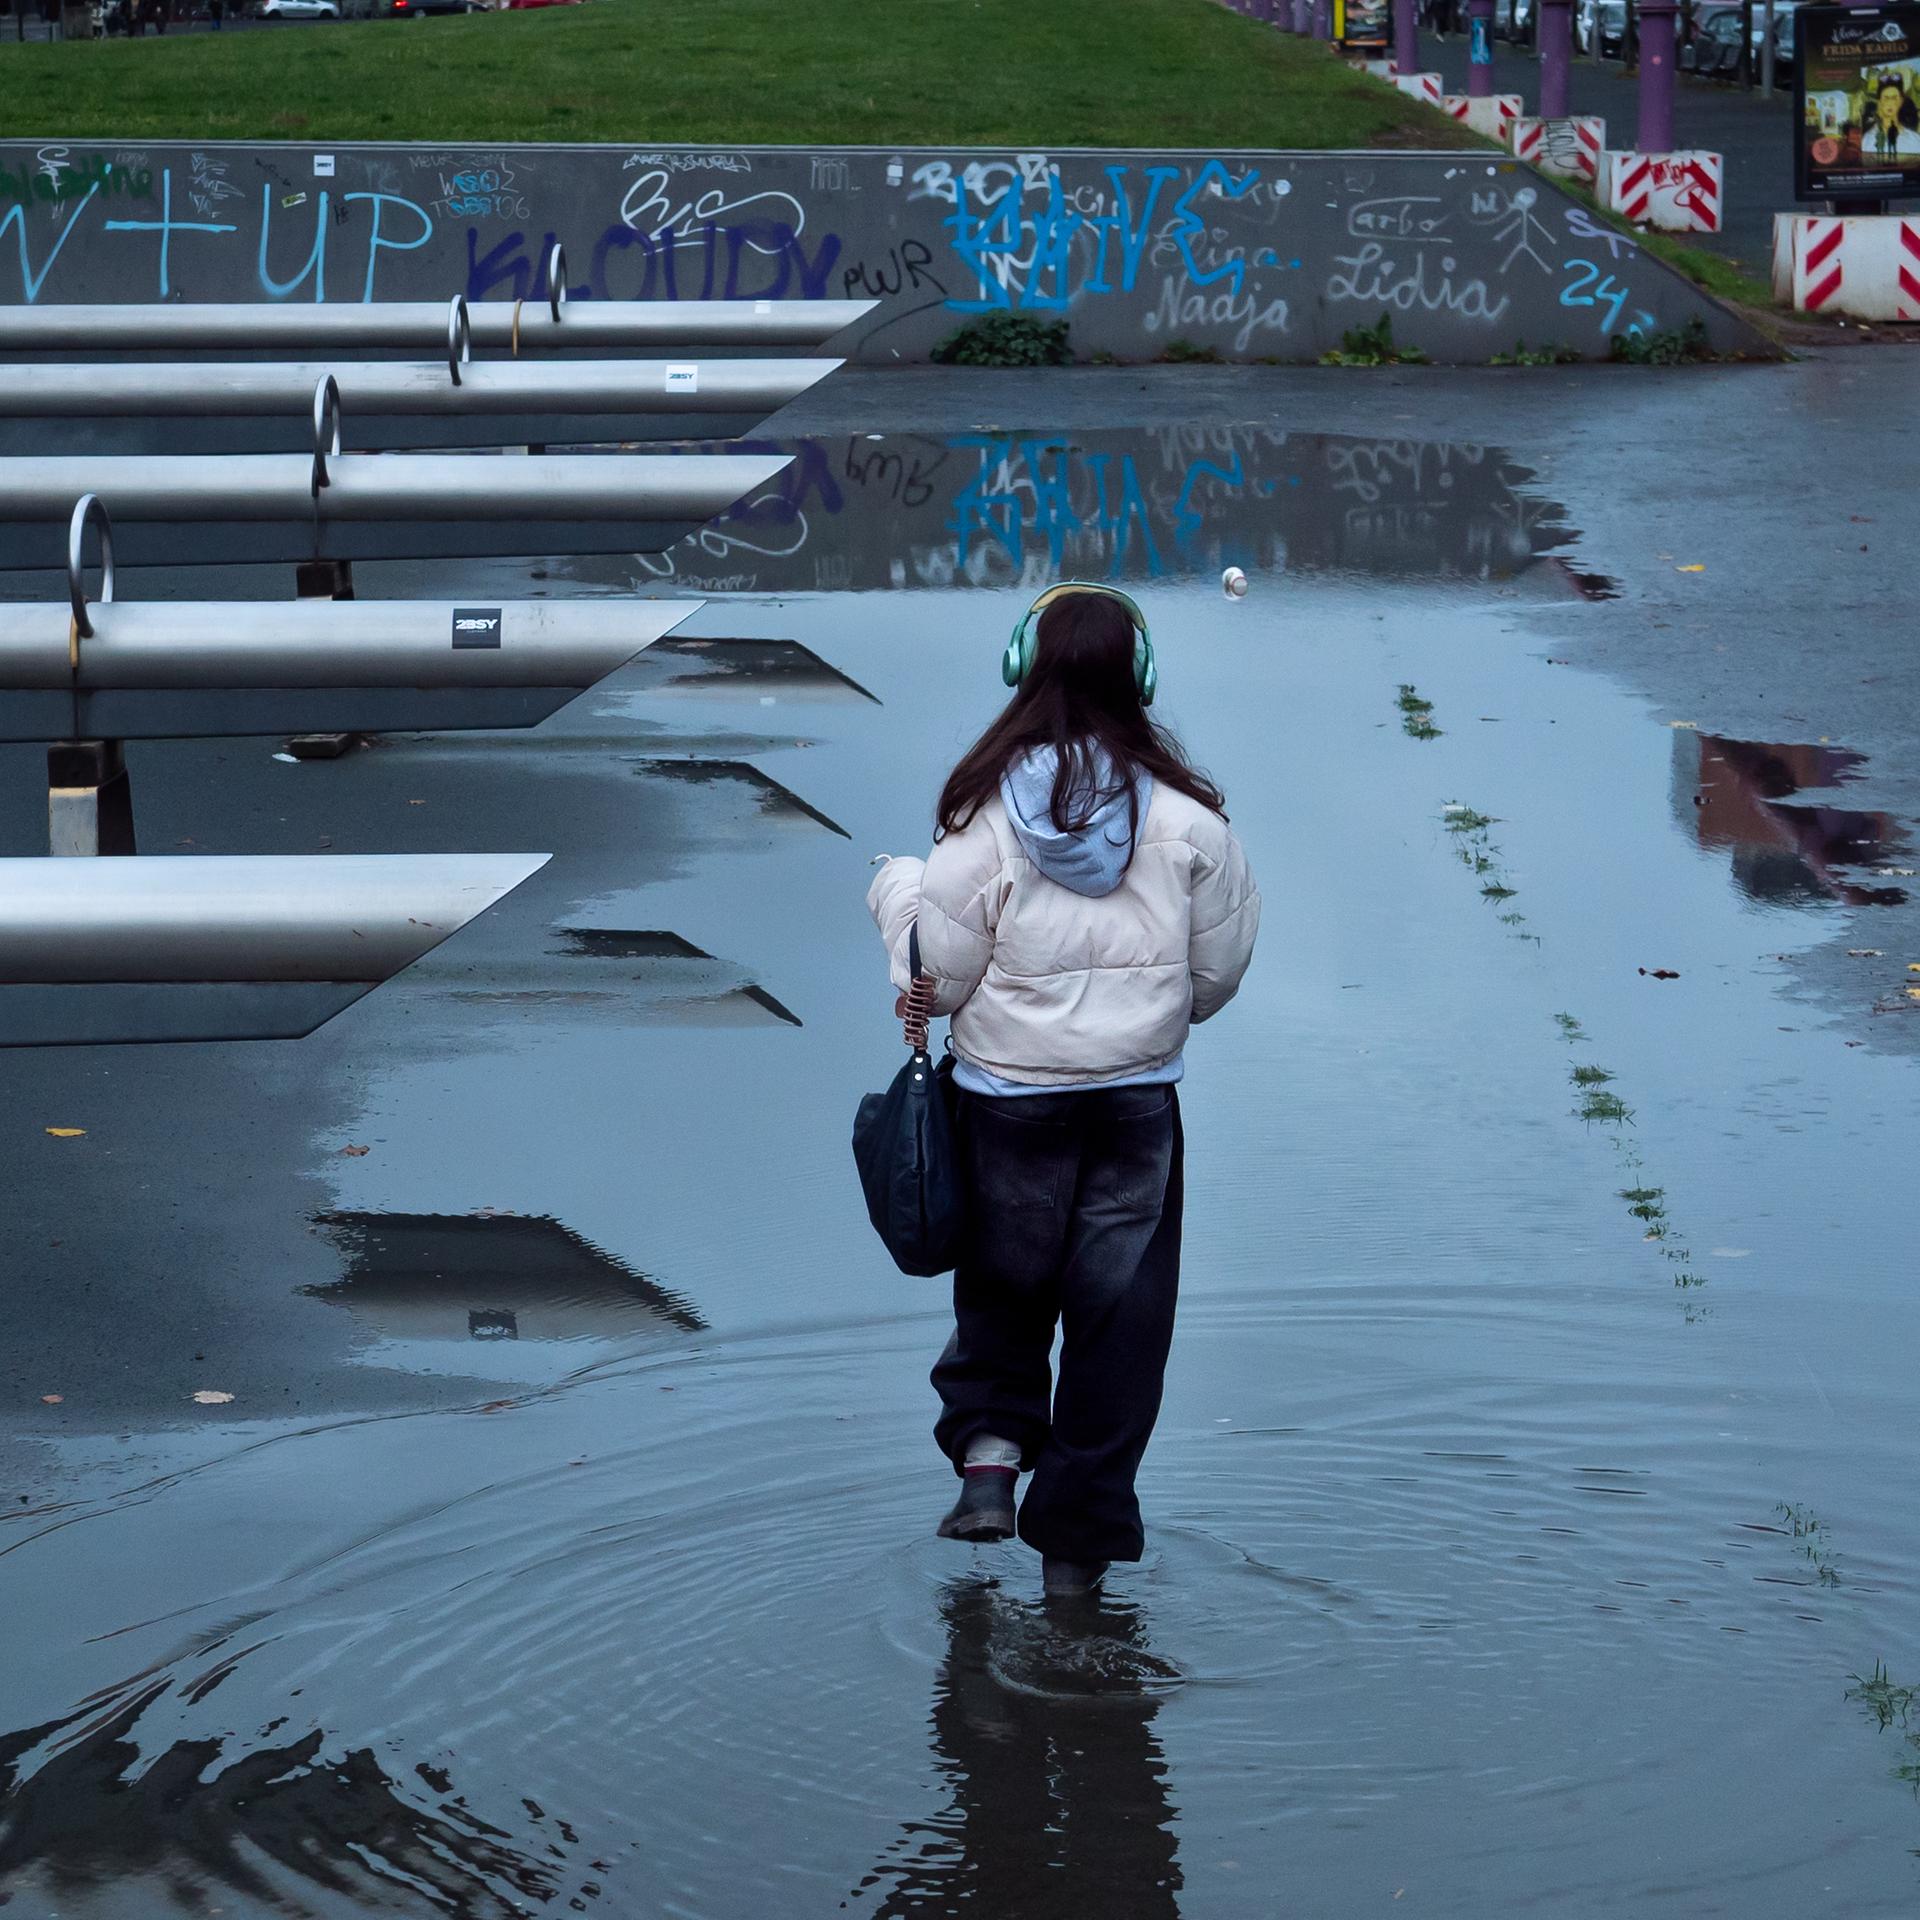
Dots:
(476, 626)
(682, 379)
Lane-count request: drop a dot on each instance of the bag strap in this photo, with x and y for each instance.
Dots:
(919, 1000)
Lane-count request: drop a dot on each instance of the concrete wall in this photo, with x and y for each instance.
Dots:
(1256, 256)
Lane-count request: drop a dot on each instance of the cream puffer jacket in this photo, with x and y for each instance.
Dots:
(1056, 988)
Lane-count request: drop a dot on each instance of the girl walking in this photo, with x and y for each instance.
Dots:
(1084, 903)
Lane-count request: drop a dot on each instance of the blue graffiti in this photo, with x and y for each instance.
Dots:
(1187, 519)
(316, 267)
(16, 217)
(709, 262)
(1212, 178)
(1587, 288)
(377, 241)
(1017, 496)
(166, 227)
(1004, 239)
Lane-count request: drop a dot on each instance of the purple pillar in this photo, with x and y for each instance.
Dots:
(1556, 57)
(1479, 49)
(1303, 16)
(1406, 37)
(1323, 19)
(1656, 75)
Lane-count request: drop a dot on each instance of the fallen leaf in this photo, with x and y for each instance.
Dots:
(68, 1133)
(1694, 567)
(1913, 966)
(416, 803)
(355, 1153)
(51, 1399)
(1864, 953)
(1660, 973)
(1912, 993)
(1692, 726)
(212, 1397)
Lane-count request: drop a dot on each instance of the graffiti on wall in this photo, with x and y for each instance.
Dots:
(1254, 256)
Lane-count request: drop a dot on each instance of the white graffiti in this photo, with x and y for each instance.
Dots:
(1368, 468)
(1521, 226)
(1407, 216)
(1182, 305)
(649, 208)
(832, 173)
(1583, 226)
(983, 180)
(480, 192)
(208, 185)
(690, 162)
(1374, 278)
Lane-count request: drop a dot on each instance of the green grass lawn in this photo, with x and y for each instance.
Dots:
(1124, 73)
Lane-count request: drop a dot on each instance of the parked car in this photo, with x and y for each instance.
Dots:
(419, 9)
(1714, 51)
(297, 10)
(1605, 18)
(518, 6)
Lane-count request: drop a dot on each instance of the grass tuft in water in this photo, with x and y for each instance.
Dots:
(1809, 1533)
(1590, 1076)
(1475, 852)
(1570, 1028)
(1886, 1704)
(1416, 715)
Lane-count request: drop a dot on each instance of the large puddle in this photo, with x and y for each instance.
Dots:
(1530, 1522)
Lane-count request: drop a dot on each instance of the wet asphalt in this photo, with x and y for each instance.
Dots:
(1751, 527)
(565, 1537)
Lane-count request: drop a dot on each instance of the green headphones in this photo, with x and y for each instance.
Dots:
(1017, 662)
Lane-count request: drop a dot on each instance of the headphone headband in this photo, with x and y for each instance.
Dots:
(1017, 662)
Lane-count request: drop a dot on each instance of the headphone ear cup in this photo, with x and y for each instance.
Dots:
(1146, 670)
(1017, 662)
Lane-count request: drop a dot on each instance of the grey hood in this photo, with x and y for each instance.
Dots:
(1093, 861)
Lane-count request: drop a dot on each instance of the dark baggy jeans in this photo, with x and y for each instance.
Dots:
(1076, 1200)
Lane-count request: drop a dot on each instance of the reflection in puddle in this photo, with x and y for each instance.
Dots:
(1048, 1812)
(866, 513)
(1587, 584)
(1785, 854)
(681, 978)
(678, 664)
(88, 1803)
(772, 799)
(432, 1276)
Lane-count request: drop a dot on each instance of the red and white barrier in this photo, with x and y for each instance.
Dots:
(1863, 265)
(1676, 192)
(1492, 114)
(1569, 148)
(1423, 86)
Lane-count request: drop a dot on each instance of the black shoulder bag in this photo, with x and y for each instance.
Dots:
(905, 1145)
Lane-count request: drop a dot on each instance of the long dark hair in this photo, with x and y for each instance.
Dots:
(1079, 699)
